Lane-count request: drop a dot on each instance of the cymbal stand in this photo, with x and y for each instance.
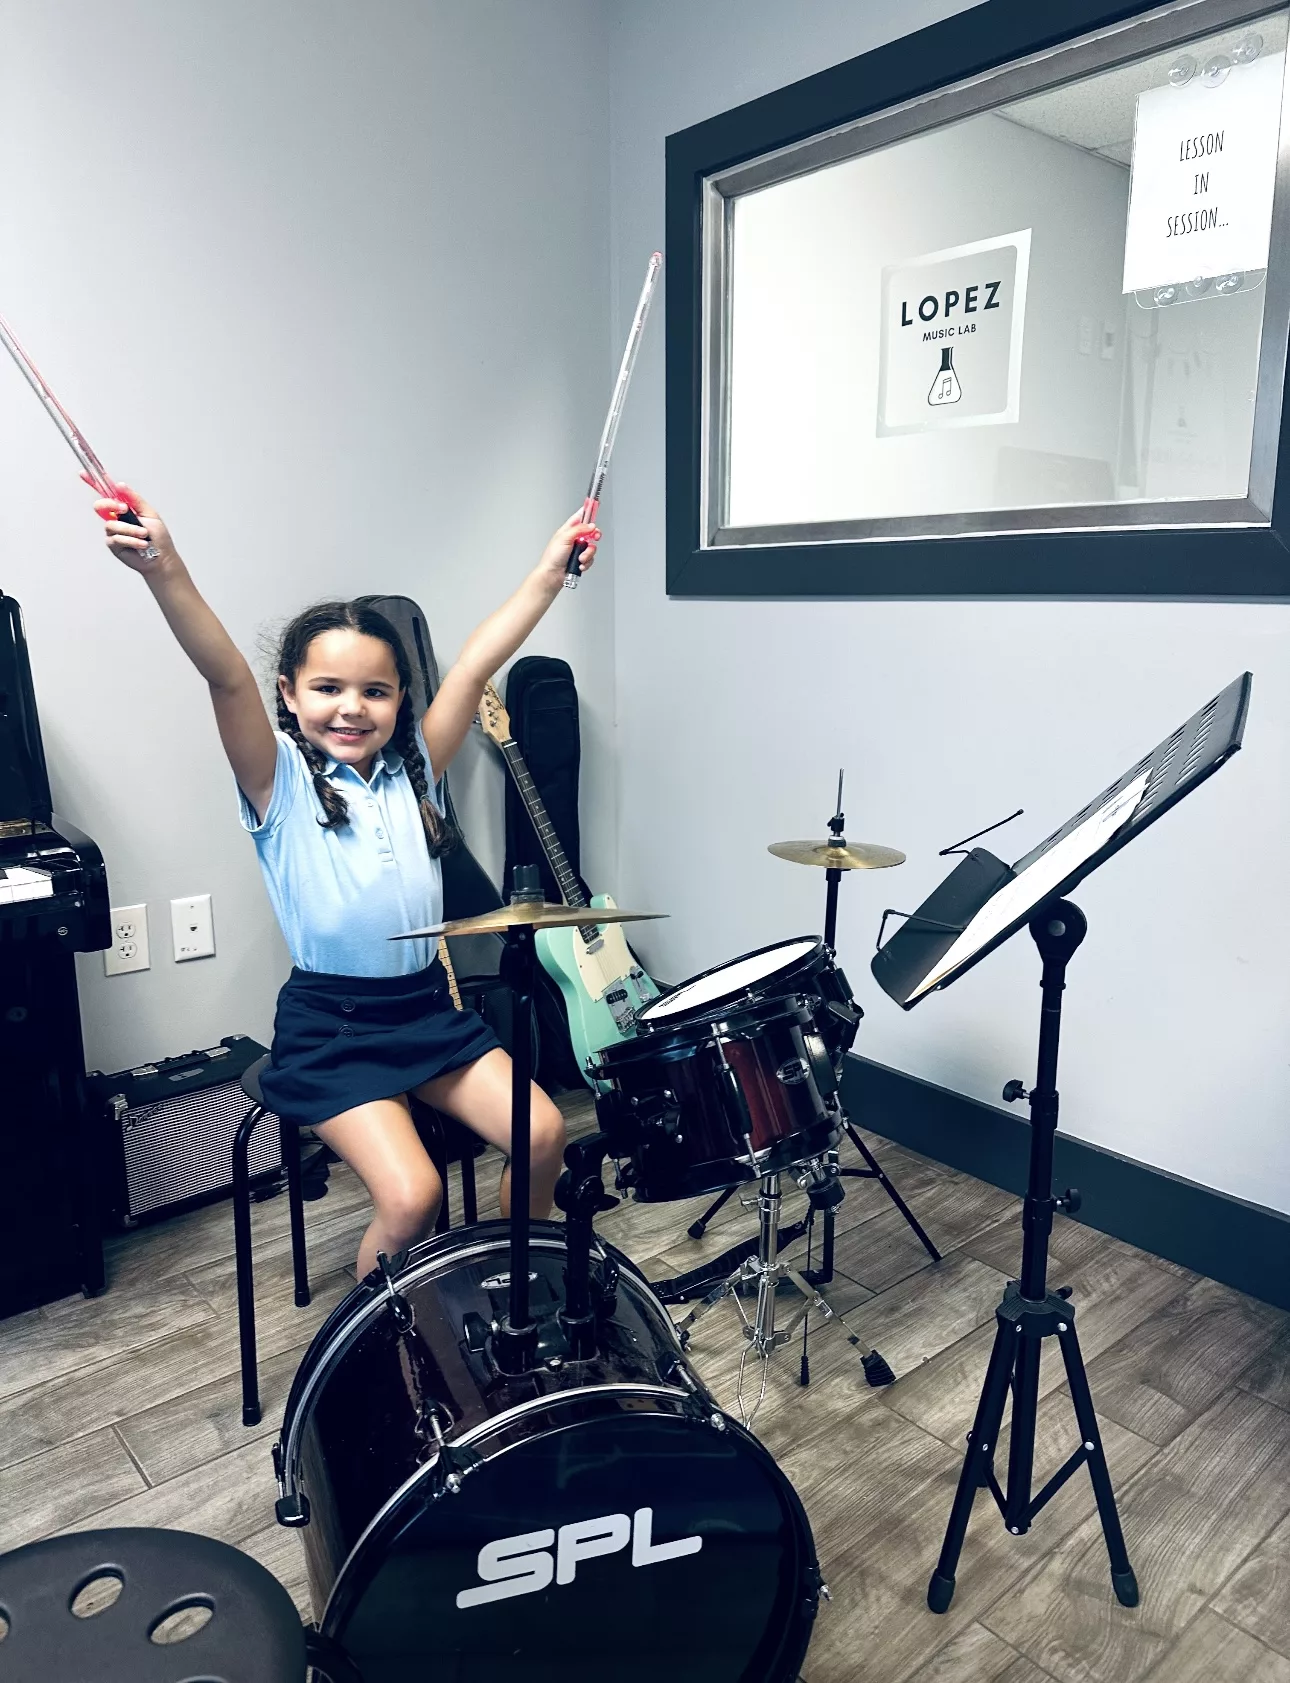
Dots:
(823, 1275)
(515, 1338)
(762, 1336)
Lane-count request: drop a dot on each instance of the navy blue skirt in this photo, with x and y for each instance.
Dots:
(341, 1041)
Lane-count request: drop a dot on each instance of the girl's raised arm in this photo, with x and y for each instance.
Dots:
(244, 726)
(491, 645)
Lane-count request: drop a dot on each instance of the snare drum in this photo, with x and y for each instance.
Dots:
(588, 1520)
(731, 1076)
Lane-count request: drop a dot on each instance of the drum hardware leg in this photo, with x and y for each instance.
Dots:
(291, 1511)
(876, 1172)
(400, 1308)
(697, 1229)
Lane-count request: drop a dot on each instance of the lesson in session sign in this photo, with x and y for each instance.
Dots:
(1204, 169)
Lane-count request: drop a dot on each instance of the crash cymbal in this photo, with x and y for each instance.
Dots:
(849, 856)
(536, 914)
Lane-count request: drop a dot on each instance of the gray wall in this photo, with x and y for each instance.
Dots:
(734, 717)
(328, 283)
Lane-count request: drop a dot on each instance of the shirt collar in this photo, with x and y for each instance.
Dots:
(388, 760)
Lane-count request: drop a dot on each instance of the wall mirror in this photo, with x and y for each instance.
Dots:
(1015, 327)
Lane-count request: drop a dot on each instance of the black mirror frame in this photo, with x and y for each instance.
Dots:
(1216, 565)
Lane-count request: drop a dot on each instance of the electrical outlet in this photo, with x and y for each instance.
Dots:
(191, 928)
(129, 949)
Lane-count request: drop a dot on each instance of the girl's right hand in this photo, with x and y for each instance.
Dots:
(130, 543)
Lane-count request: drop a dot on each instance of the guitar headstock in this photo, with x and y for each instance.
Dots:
(493, 717)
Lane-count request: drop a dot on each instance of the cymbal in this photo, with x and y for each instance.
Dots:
(851, 856)
(535, 914)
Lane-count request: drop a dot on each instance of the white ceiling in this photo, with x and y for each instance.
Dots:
(1096, 114)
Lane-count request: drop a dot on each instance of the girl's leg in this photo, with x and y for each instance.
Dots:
(479, 1095)
(380, 1144)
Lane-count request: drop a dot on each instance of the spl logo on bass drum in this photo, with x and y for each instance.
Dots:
(525, 1564)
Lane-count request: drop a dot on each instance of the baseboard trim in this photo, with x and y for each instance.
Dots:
(1244, 1245)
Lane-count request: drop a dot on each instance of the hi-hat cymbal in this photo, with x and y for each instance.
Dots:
(535, 914)
(850, 856)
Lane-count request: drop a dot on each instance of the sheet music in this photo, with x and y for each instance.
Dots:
(1021, 896)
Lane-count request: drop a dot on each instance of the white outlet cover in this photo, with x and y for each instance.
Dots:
(191, 927)
(129, 949)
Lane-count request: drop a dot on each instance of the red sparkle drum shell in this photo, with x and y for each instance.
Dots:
(731, 1076)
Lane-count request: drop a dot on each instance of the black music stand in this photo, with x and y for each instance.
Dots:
(979, 906)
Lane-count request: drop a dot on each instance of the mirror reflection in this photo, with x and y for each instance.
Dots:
(1053, 304)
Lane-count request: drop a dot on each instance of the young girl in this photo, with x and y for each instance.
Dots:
(345, 823)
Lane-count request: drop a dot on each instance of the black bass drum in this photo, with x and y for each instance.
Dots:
(592, 1519)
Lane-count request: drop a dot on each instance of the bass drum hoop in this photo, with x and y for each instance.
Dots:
(751, 993)
(796, 1631)
(445, 1250)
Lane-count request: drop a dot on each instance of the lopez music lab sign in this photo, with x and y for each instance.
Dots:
(952, 324)
(1204, 168)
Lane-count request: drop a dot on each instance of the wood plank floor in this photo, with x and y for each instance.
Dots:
(125, 1411)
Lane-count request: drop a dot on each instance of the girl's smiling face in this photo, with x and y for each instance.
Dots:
(345, 696)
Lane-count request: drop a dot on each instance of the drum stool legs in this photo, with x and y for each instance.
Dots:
(445, 1140)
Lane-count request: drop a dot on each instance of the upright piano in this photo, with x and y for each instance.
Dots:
(53, 904)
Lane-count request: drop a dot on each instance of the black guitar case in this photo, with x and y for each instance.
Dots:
(543, 705)
(467, 887)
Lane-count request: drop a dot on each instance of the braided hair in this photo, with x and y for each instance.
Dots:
(293, 649)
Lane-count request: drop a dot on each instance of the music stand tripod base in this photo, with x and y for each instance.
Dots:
(1030, 1313)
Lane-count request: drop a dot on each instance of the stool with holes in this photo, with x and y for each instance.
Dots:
(145, 1606)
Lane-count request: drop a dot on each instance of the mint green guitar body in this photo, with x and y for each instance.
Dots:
(602, 985)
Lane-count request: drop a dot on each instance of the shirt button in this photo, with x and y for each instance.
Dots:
(347, 1004)
(380, 835)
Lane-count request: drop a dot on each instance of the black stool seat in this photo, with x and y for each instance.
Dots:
(251, 1079)
(254, 1634)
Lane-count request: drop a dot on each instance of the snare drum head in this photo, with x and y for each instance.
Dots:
(750, 974)
(626, 1542)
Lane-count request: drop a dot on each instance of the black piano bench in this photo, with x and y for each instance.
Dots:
(445, 1140)
(114, 1606)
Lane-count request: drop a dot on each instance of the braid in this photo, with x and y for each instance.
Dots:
(334, 803)
(292, 651)
(440, 836)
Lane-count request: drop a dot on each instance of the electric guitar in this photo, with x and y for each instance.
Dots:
(602, 985)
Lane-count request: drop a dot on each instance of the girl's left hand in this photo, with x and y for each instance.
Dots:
(555, 557)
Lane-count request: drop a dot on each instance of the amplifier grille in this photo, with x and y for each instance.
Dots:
(182, 1147)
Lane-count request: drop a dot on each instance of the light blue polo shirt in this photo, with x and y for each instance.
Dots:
(339, 895)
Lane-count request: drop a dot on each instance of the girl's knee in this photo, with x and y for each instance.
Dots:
(409, 1204)
(547, 1126)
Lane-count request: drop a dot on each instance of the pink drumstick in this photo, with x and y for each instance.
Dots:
(591, 503)
(75, 439)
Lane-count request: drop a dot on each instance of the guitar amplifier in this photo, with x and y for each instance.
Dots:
(167, 1131)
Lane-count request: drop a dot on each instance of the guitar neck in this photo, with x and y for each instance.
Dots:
(570, 892)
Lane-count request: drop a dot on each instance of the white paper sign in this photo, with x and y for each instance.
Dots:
(1204, 167)
(952, 326)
